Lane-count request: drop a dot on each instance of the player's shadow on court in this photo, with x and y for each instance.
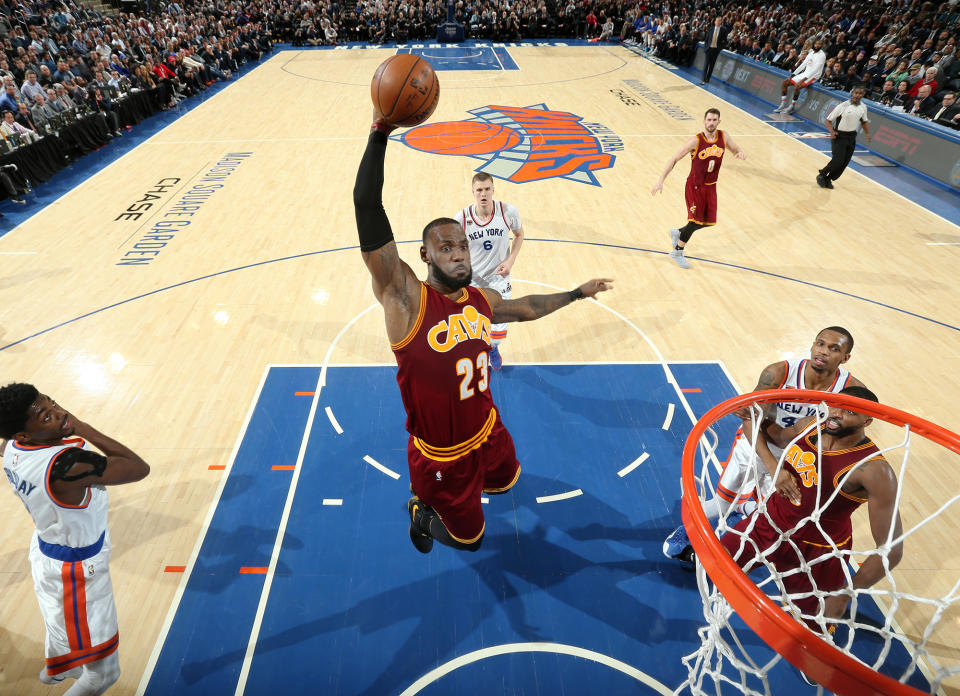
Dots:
(545, 380)
(527, 570)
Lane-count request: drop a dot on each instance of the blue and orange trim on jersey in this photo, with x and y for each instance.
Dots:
(76, 658)
(46, 480)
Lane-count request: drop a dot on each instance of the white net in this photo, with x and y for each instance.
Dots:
(905, 624)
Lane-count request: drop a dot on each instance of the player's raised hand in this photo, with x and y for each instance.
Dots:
(741, 155)
(592, 287)
(657, 189)
(504, 269)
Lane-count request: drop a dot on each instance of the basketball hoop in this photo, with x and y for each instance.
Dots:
(733, 591)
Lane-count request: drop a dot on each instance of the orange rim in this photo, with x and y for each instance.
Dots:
(824, 663)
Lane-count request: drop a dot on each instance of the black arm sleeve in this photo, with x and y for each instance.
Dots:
(65, 460)
(372, 223)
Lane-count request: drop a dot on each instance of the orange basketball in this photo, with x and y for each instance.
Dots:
(405, 89)
(462, 138)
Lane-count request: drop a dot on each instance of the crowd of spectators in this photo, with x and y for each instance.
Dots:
(60, 57)
(904, 51)
(62, 61)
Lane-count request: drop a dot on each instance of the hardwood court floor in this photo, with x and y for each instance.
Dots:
(166, 354)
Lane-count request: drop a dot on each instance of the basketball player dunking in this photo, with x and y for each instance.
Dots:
(748, 472)
(705, 150)
(61, 483)
(440, 332)
(488, 225)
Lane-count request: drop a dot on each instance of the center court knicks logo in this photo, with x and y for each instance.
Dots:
(522, 144)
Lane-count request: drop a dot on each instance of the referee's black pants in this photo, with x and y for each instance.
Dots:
(842, 146)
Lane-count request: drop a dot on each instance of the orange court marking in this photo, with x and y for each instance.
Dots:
(253, 570)
(216, 467)
(690, 391)
(283, 467)
(304, 393)
(174, 569)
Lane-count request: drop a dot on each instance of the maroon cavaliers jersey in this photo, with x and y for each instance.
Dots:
(444, 374)
(705, 162)
(801, 461)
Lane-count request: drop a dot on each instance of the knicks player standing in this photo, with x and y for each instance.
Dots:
(488, 225)
(440, 332)
(48, 461)
(706, 151)
(748, 473)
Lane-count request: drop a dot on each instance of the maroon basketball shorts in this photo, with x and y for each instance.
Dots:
(826, 573)
(701, 203)
(454, 488)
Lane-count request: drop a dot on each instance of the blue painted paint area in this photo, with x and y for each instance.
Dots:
(217, 609)
(465, 58)
(354, 609)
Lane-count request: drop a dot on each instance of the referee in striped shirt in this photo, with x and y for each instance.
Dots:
(843, 122)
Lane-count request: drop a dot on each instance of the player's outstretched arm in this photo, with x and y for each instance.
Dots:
(75, 469)
(879, 481)
(734, 148)
(691, 146)
(535, 306)
(394, 283)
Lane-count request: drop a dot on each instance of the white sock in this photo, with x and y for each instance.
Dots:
(783, 99)
(747, 507)
(716, 506)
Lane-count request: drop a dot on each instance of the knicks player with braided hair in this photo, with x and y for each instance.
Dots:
(705, 150)
(488, 226)
(440, 332)
(50, 465)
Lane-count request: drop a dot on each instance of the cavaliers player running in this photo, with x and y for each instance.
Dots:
(62, 482)
(836, 470)
(440, 332)
(706, 155)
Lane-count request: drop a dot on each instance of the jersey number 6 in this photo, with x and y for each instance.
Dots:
(465, 368)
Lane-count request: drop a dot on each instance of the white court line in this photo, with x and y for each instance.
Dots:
(556, 648)
(288, 505)
(559, 496)
(185, 577)
(942, 243)
(333, 501)
(669, 419)
(380, 467)
(484, 500)
(634, 464)
(333, 420)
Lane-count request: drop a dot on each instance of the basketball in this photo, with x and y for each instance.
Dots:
(405, 90)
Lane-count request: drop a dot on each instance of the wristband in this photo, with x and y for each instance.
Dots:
(576, 294)
(381, 127)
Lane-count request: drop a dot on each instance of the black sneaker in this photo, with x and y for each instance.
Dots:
(422, 541)
(829, 183)
(822, 181)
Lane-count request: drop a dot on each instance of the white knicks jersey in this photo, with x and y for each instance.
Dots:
(28, 469)
(489, 239)
(812, 66)
(789, 413)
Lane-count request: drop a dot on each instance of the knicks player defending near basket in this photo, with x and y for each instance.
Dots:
(706, 155)
(48, 461)
(804, 75)
(746, 475)
(488, 225)
(839, 458)
(440, 332)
